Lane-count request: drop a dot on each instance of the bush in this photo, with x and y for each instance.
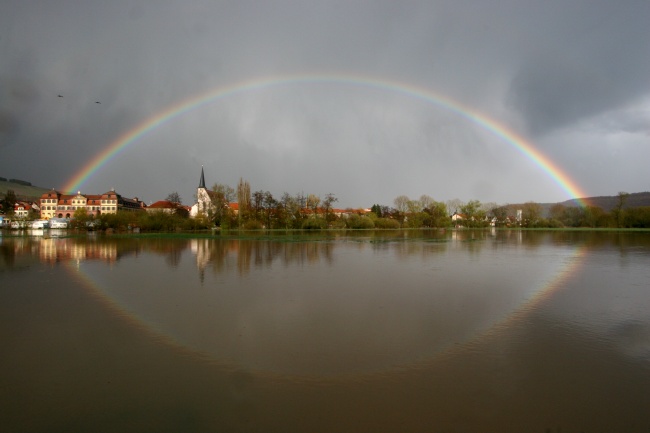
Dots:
(552, 223)
(637, 217)
(386, 223)
(192, 224)
(359, 222)
(338, 224)
(252, 225)
(314, 224)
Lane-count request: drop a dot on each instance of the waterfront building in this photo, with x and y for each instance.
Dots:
(54, 204)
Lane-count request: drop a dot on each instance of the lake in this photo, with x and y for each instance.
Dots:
(404, 331)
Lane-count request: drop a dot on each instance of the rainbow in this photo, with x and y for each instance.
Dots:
(419, 93)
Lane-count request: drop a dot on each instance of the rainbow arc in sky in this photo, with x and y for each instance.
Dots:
(173, 111)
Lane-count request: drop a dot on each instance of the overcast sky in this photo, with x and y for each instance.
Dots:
(572, 77)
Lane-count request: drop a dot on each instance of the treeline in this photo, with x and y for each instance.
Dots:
(140, 220)
(242, 209)
(261, 210)
(18, 181)
(560, 216)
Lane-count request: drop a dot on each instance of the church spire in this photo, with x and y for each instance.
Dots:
(202, 181)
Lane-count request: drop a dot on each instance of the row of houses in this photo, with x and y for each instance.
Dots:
(54, 204)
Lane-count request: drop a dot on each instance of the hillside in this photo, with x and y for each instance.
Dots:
(23, 192)
(607, 203)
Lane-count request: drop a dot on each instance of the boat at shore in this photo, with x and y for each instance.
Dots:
(58, 223)
(40, 224)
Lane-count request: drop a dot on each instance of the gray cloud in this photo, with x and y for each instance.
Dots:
(592, 58)
(559, 73)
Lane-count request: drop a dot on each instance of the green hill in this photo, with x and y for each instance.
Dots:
(607, 203)
(23, 192)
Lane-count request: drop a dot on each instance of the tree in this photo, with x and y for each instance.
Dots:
(401, 203)
(174, 197)
(531, 212)
(243, 196)
(637, 217)
(454, 205)
(221, 196)
(438, 216)
(426, 201)
(401, 206)
(81, 218)
(414, 206)
(257, 203)
(595, 216)
(312, 203)
(500, 213)
(473, 213)
(327, 204)
(9, 202)
(558, 212)
(292, 215)
(573, 216)
(268, 204)
(618, 210)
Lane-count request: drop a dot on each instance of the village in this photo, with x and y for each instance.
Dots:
(59, 210)
(223, 207)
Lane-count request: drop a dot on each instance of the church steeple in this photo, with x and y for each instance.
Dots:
(202, 181)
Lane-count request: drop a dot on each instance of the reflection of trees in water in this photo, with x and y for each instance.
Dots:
(172, 249)
(244, 255)
(261, 254)
(8, 255)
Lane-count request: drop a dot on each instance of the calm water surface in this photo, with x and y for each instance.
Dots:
(434, 331)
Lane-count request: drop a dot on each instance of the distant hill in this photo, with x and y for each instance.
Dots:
(607, 203)
(23, 191)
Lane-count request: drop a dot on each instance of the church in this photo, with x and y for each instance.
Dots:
(203, 204)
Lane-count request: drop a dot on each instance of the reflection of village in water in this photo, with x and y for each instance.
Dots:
(220, 254)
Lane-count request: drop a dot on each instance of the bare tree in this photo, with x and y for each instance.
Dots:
(174, 197)
(618, 210)
(243, 195)
(312, 203)
(401, 203)
(327, 204)
(426, 202)
(454, 205)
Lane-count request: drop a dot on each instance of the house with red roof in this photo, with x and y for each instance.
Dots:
(166, 206)
(22, 209)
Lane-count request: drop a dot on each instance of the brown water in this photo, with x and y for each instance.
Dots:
(373, 332)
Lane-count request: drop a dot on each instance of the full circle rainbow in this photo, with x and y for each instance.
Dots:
(419, 93)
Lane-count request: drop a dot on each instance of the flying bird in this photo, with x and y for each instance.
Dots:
(97, 102)
(60, 96)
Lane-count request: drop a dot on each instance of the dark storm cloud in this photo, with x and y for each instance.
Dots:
(559, 73)
(588, 59)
